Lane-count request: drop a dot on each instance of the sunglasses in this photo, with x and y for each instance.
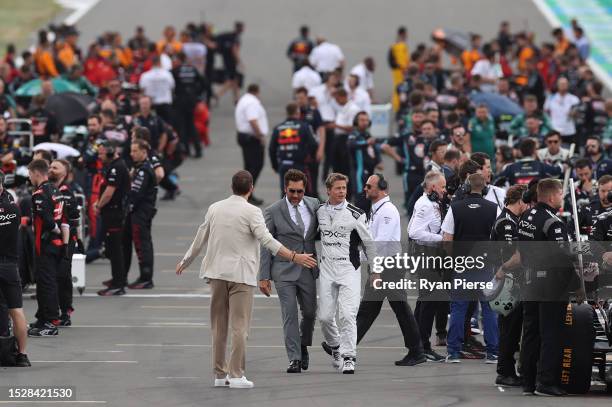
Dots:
(296, 191)
(367, 186)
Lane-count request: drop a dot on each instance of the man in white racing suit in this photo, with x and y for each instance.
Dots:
(343, 228)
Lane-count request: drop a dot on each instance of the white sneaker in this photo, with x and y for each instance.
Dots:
(349, 365)
(223, 382)
(240, 383)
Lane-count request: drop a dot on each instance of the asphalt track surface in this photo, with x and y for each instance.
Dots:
(152, 348)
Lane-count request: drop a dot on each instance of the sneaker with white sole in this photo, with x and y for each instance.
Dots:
(240, 383)
(223, 382)
(348, 367)
(491, 359)
(453, 358)
(334, 352)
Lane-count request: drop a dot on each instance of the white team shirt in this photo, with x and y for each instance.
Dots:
(426, 220)
(486, 69)
(366, 78)
(250, 108)
(326, 57)
(306, 77)
(325, 102)
(384, 223)
(158, 84)
(559, 108)
(346, 115)
(361, 98)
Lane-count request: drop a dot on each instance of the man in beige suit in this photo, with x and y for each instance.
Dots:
(232, 230)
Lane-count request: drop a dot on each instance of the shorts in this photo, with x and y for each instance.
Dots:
(231, 68)
(10, 285)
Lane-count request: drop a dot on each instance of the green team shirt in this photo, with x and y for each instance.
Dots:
(483, 135)
(518, 128)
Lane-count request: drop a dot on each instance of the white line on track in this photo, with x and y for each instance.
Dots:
(86, 361)
(169, 296)
(12, 402)
(178, 377)
(169, 345)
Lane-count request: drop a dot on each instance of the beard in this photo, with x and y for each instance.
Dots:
(53, 178)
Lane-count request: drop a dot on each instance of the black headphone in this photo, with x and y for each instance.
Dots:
(383, 185)
(529, 194)
(110, 148)
(433, 196)
(601, 149)
(357, 117)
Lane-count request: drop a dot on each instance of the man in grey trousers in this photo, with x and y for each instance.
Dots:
(293, 222)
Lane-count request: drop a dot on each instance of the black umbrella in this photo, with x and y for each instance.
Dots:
(70, 108)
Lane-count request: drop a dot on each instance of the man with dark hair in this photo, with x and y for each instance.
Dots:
(252, 126)
(233, 231)
(528, 167)
(594, 151)
(189, 88)
(44, 122)
(300, 48)
(59, 170)
(470, 220)
(553, 153)
(548, 276)
(343, 126)
(141, 210)
(291, 143)
(46, 215)
(365, 157)
(293, 221)
(510, 326)
(158, 84)
(228, 45)
(311, 115)
(112, 206)
(385, 227)
(587, 214)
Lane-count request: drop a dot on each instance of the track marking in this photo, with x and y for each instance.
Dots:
(52, 402)
(86, 361)
(178, 377)
(164, 345)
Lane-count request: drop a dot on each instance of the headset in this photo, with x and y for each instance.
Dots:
(529, 194)
(383, 185)
(599, 143)
(355, 119)
(110, 148)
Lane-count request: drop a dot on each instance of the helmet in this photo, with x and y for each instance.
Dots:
(503, 298)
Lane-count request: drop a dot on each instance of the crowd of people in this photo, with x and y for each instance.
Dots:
(485, 135)
(89, 184)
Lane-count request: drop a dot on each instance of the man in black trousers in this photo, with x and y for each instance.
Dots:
(384, 224)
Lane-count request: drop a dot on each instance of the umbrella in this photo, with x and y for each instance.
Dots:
(70, 108)
(32, 88)
(457, 41)
(498, 104)
(61, 150)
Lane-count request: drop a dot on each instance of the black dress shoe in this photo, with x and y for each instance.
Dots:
(528, 390)
(295, 366)
(305, 358)
(551, 391)
(508, 381)
(411, 360)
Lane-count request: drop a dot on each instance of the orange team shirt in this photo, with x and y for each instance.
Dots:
(124, 55)
(469, 58)
(66, 56)
(176, 45)
(561, 47)
(44, 63)
(525, 54)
